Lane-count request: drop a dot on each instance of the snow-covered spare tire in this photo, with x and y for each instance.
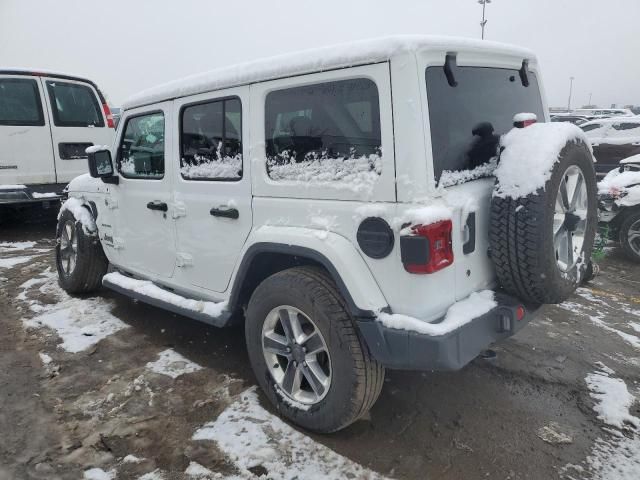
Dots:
(543, 211)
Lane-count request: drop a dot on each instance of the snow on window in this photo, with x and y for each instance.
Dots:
(449, 178)
(211, 140)
(326, 133)
(358, 173)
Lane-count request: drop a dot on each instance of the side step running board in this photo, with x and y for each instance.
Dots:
(212, 313)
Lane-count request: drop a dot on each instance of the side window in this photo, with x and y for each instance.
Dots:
(626, 126)
(211, 140)
(20, 102)
(141, 151)
(74, 105)
(593, 126)
(324, 132)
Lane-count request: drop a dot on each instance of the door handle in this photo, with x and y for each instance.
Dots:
(157, 205)
(225, 212)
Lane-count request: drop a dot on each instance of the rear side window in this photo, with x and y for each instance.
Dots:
(626, 126)
(593, 126)
(468, 119)
(20, 102)
(74, 105)
(211, 141)
(141, 151)
(324, 132)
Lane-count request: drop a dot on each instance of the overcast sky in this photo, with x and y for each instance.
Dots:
(128, 45)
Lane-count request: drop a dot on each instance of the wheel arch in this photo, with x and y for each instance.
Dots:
(264, 259)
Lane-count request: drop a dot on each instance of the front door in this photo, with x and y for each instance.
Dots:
(144, 230)
(212, 186)
(26, 156)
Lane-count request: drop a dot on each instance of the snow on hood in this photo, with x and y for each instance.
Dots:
(529, 156)
(315, 60)
(625, 186)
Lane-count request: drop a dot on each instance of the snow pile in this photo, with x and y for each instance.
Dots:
(524, 117)
(529, 156)
(623, 185)
(10, 262)
(148, 289)
(204, 167)
(613, 400)
(79, 322)
(44, 195)
(81, 214)
(98, 474)
(617, 458)
(459, 314)
(85, 183)
(369, 210)
(316, 60)
(250, 436)
(358, 174)
(95, 148)
(172, 364)
(15, 246)
(422, 216)
(448, 178)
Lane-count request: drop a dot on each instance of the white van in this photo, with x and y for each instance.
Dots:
(47, 120)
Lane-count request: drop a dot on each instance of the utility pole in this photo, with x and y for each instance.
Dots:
(590, 98)
(570, 92)
(484, 21)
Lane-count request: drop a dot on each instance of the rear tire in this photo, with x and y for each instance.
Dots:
(80, 260)
(629, 235)
(529, 239)
(355, 378)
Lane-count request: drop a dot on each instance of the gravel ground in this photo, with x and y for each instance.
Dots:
(103, 387)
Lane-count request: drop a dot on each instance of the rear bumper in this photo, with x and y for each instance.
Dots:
(51, 192)
(405, 350)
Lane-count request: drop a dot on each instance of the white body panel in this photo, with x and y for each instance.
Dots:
(30, 154)
(322, 218)
(26, 152)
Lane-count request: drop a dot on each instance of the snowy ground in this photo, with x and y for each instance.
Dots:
(100, 387)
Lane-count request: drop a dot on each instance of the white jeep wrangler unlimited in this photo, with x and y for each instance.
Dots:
(348, 205)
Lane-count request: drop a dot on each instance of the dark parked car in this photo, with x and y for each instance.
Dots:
(613, 139)
(575, 119)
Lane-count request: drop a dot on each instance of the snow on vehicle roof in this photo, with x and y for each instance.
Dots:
(601, 121)
(315, 60)
(631, 159)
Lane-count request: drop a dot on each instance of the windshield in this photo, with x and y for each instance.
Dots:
(468, 119)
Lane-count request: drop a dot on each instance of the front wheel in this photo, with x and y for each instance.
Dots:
(306, 352)
(630, 236)
(80, 260)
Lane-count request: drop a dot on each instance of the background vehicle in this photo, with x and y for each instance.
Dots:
(603, 112)
(612, 139)
(47, 120)
(575, 119)
(619, 203)
(356, 235)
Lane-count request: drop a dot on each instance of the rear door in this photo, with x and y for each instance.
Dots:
(26, 155)
(212, 186)
(465, 125)
(78, 121)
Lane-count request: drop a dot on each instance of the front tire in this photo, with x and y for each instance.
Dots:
(629, 235)
(80, 260)
(335, 380)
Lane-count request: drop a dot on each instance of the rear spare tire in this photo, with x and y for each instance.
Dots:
(541, 242)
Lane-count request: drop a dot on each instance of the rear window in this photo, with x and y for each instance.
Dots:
(20, 102)
(74, 105)
(588, 128)
(324, 132)
(468, 119)
(626, 126)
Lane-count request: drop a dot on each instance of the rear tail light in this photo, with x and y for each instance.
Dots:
(427, 248)
(520, 312)
(522, 120)
(107, 113)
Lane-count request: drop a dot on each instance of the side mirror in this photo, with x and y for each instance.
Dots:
(100, 165)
